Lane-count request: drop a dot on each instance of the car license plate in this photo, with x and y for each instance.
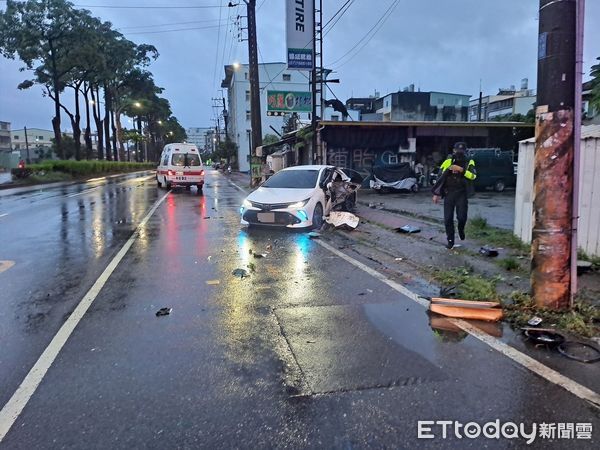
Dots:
(266, 217)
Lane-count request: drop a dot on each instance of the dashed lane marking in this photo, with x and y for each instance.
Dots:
(13, 408)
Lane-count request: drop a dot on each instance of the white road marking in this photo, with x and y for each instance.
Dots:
(5, 265)
(83, 192)
(4, 215)
(522, 359)
(13, 408)
(239, 188)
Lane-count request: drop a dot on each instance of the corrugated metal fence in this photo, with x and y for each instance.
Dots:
(588, 238)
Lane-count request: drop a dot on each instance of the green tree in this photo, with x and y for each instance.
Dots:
(227, 150)
(595, 74)
(270, 139)
(41, 34)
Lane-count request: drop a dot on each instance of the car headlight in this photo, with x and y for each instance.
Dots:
(299, 204)
(246, 204)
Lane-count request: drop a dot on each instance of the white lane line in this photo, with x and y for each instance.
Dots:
(522, 359)
(239, 188)
(83, 192)
(13, 408)
(4, 215)
(5, 265)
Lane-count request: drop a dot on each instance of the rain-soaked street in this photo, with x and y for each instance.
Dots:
(312, 349)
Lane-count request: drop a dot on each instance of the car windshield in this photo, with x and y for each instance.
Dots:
(185, 159)
(293, 179)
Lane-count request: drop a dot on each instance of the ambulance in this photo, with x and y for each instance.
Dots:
(180, 165)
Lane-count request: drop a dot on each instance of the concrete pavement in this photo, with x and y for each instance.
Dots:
(309, 351)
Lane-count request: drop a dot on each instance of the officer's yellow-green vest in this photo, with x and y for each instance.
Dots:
(469, 173)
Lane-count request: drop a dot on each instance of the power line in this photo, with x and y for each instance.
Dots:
(167, 24)
(377, 26)
(217, 51)
(337, 12)
(173, 30)
(149, 7)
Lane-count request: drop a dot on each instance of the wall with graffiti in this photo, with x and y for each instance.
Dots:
(365, 158)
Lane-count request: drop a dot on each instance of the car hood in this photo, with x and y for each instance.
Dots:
(278, 195)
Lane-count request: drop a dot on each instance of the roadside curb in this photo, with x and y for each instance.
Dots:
(40, 186)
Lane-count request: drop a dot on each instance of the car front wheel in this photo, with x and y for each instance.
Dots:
(317, 218)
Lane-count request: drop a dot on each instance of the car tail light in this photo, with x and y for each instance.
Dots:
(201, 172)
(170, 172)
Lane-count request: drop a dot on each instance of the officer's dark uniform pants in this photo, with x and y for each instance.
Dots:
(455, 200)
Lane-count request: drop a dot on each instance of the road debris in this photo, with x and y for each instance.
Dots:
(466, 309)
(408, 229)
(544, 336)
(534, 321)
(260, 255)
(583, 267)
(163, 312)
(242, 273)
(314, 235)
(579, 351)
(342, 219)
(209, 258)
(398, 259)
(488, 251)
(269, 247)
(213, 282)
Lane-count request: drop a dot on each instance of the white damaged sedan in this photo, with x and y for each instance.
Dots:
(300, 196)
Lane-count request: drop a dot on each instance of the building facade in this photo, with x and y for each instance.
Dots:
(409, 105)
(201, 138)
(272, 77)
(5, 137)
(505, 103)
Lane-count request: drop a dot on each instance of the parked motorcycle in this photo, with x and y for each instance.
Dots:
(400, 178)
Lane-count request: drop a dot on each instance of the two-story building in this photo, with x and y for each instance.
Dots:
(408, 105)
(273, 77)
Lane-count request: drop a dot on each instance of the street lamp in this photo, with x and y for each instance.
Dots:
(137, 104)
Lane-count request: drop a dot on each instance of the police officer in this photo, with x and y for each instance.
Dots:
(454, 190)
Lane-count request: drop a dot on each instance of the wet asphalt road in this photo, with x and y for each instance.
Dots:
(307, 352)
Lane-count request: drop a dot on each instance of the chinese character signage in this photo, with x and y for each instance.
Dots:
(289, 101)
(299, 33)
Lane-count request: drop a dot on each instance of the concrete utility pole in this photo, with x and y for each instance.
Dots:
(27, 145)
(554, 151)
(225, 120)
(255, 119)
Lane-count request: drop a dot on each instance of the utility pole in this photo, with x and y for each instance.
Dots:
(225, 120)
(554, 151)
(27, 145)
(316, 78)
(255, 119)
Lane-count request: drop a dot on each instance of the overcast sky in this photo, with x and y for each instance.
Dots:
(439, 45)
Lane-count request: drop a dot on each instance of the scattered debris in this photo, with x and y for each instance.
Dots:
(569, 349)
(448, 291)
(260, 255)
(583, 266)
(534, 321)
(207, 217)
(398, 259)
(251, 267)
(314, 235)
(370, 291)
(311, 342)
(408, 229)
(242, 273)
(269, 247)
(213, 282)
(208, 258)
(466, 309)
(545, 336)
(488, 251)
(361, 293)
(343, 219)
(163, 312)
